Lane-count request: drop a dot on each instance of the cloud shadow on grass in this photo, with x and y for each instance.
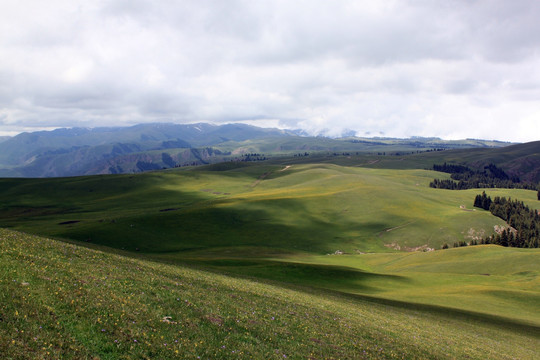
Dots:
(333, 277)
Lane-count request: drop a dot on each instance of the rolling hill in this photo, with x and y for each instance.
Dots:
(521, 160)
(335, 254)
(283, 223)
(59, 300)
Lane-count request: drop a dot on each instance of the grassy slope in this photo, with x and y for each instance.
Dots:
(313, 208)
(520, 159)
(60, 300)
(484, 279)
(246, 219)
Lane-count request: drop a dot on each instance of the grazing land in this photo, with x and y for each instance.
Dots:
(323, 207)
(266, 220)
(60, 300)
(353, 238)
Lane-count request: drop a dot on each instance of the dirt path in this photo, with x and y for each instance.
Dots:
(395, 228)
(261, 178)
(409, 249)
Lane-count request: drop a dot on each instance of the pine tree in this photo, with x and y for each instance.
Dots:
(478, 201)
(486, 201)
(504, 238)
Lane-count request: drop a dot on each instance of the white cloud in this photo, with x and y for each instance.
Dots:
(449, 69)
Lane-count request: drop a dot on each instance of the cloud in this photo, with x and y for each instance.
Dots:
(431, 68)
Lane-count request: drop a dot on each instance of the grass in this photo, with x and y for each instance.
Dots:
(59, 300)
(516, 159)
(483, 279)
(486, 280)
(279, 223)
(315, 208)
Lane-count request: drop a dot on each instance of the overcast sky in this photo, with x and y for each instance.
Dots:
(453, 69)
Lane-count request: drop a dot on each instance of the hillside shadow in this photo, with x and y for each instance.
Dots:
(344, 282)
(340, 278)
(472, 317)
(137, 213)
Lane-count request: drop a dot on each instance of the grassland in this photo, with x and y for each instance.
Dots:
(484, 279)
(315, 208)
(522, 160)
(281, 222)
(59, 300)
(332, 240)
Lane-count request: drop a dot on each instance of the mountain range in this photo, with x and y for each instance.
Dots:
(112, 150)
(82, 151)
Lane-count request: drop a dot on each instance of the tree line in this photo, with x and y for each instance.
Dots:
(524, 222)
(463, 177)
(252, 157)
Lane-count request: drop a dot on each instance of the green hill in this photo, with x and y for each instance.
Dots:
(59, 300)
(484, 279)
(522, 160)
(312, 208)
(337, 246)
(280, 223)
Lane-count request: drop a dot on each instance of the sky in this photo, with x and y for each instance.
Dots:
(451, 69)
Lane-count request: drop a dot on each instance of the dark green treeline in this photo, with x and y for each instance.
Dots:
(524, 223)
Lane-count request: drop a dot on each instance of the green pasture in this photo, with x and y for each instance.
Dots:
(484, 279)
(58, 300)
(315, 208)
(283, 222)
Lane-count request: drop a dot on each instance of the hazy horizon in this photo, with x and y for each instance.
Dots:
(301, 132)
